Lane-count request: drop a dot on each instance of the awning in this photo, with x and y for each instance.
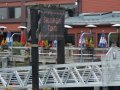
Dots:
(37, 2)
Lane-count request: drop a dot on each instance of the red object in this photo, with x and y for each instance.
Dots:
(41, 43)
(23, 40)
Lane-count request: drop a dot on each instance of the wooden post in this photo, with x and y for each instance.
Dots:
(61, 54)
(34, 49)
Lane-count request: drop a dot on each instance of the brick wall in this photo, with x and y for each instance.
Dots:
(100, 5)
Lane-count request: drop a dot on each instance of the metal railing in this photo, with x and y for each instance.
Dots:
(22, 55)
(86, 74)
(67, 75)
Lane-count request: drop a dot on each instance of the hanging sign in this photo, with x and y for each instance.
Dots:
(52, 23)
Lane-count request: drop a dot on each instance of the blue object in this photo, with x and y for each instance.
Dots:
(55, 43)
(9, 39)
(102, 42)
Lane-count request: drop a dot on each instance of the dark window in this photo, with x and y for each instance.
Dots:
(11, 12)
(14, 12)
(70, 39)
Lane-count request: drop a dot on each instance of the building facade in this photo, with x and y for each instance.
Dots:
(14, 13)
(102, 13)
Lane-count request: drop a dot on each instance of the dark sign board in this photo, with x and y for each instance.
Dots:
(52, 23)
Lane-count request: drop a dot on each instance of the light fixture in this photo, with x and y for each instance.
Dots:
(22, 27)
(90, 26)
(116, 26)
(67, 26)
(2, 27)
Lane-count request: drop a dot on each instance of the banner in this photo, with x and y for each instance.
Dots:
(52, 24)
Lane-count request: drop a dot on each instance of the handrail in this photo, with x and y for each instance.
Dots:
(109, 50)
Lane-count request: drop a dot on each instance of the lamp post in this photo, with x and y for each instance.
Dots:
(117, 27)
(22, 28)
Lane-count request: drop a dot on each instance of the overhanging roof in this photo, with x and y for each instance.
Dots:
(94, 18)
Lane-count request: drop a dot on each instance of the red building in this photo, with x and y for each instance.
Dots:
(99, 12)
(15, 13)
(102, 13)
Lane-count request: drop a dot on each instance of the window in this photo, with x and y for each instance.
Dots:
(14, 12)
(10, 12)
(70, 39)
(3, 15)
(17, 12)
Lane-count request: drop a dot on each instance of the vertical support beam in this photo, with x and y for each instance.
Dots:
(61, 54)
(60, 51)
(34, 49)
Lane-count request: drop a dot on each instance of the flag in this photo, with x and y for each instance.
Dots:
(91, 45)
(41, 43)
(22, 40)
(3, 42)
(46, 43)
(54, 43)
(103, 41)
(86, 42)
(9, 39)
(81, 41)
